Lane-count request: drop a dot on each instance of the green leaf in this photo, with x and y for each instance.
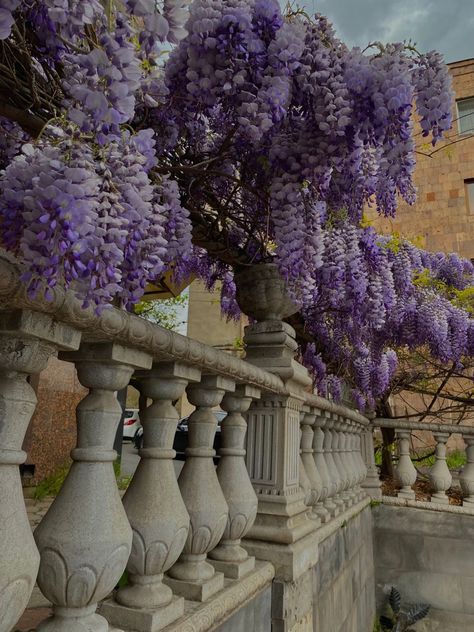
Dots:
(394, 600)
(417, 612)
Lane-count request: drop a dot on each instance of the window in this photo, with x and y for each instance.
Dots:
(466, 115)
(469, 187)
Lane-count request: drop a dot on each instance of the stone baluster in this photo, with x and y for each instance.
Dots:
(154, 507)
(349, 460)
(344, 461)
(336, 454)
(361, 466)
(325, 507)
(304, 482)
(307, 458)
(229, 556)
(440, 476)
(27, 340)
(371, 483)
(192, 576)
(329, 454)
(85, 537)
(405, 471)
(467, 475)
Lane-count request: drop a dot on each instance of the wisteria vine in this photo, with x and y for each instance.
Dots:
(260, 137)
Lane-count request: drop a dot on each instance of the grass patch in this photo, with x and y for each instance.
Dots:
(51, 485)
(454, 460)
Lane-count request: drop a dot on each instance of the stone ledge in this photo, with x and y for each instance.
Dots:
(420, 504)
(336, 523)
(204, 617)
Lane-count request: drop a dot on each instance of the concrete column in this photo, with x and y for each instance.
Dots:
(192, 576)
(405, 471)
(371, 483)
(307, 457)
(27, 340)
(85, 538)
(155, 509)
(331, 447)
(358, 436)
(467, 475)
(229, 556)
(440, 476)
(325, 507)
(343, 461)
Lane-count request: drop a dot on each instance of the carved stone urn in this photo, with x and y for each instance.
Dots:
(262, 294)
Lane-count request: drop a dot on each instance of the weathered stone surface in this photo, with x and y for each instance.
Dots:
(141, 619)
(254, 616)
(343, 579)
(428, 556)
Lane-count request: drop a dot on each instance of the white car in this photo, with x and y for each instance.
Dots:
(131, 422)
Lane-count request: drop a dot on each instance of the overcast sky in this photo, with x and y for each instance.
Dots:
(444, 25)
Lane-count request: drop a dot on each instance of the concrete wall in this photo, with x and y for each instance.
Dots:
(343, 579)
(338, 593)
(429, 556)
(255, 616)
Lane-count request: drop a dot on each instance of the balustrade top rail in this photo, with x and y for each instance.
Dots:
(114, 324)
(324, 404)
(421, 425)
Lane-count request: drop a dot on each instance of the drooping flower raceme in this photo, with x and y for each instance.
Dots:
(260, 137)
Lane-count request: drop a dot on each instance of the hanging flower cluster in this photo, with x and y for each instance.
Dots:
(260, 137)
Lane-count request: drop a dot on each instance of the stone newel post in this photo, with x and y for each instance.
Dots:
(273, 438)
(85, 538)
(154, 507)
(27, 340)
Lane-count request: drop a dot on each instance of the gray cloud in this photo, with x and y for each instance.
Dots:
(444, 25)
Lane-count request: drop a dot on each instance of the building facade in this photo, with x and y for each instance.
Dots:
(443, 217)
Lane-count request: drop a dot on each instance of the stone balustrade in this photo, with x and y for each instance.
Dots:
(290, 463)
(438, 475)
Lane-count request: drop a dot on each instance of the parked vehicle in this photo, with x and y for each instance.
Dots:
(131, 422)
(181, 437)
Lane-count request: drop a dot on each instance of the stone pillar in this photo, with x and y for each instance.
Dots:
(27, 340)
(229, 557)
(361, 466)
(273, 438)
(307, 457)
(192, 576)
(405, 471)
(331, 447)
(371, 484)
(154, 507)
(343, 461)
(325, 507)
(440, 476)
(85, 537)
(467, 475)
